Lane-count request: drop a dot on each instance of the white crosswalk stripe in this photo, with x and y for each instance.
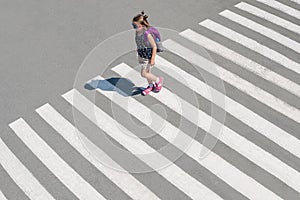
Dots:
(262, 30)
(21, 175)
(296, 1)
(252, 44)
(245, 183)
(268, 16)
(2, 197)
(124, 180)
(242, 113)
(241, 182)
(233, 79)
(229, 137)
(57, 165)
(173, 173)
(279, 6)
(242, 61)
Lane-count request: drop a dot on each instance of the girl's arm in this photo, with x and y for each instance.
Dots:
(154, 49)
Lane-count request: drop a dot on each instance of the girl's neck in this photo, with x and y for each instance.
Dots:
(142, 30)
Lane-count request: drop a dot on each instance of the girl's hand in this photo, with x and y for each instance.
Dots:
(152, 62)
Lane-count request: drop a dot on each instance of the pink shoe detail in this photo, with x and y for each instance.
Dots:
(158, 85)
(147, 90)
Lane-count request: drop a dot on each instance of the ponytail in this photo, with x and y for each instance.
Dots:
(142, 18)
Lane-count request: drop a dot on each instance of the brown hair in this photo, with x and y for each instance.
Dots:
(144, 20)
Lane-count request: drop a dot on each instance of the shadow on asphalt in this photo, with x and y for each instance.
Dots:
(123, 86)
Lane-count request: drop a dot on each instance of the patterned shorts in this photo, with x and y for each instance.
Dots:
(144, 63)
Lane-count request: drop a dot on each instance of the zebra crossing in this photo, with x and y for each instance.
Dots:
(125, 181)
(268, 16)
(262, 172)
(2, 197)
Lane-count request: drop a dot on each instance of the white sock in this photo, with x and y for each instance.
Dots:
(157, 80)
(151, 84)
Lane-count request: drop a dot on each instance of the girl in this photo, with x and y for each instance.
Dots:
(146, 52)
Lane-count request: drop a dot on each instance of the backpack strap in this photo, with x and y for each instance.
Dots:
(147, 32)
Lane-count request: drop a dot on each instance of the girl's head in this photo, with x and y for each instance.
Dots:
(140, 21)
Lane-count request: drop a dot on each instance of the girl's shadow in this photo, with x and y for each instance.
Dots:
(123, 86)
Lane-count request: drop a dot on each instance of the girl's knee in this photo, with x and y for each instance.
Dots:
(144, 74)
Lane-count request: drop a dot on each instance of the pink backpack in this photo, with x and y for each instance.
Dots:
(156, 36)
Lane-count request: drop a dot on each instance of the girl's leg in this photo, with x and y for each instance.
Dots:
(147, 74)
(145, 69)
(157, 81)
(152, 78)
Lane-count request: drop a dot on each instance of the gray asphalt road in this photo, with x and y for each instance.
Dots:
(43, 45)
